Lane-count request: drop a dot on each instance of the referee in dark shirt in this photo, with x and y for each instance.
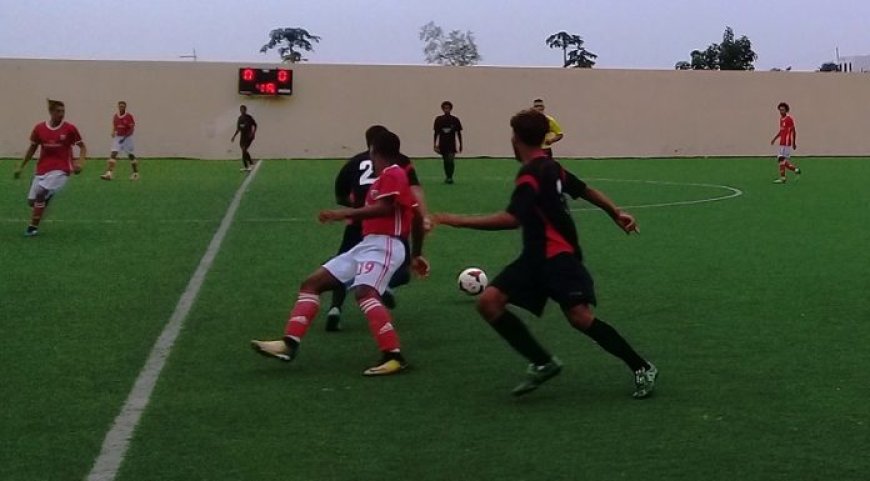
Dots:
(447, 129)
(247, 126)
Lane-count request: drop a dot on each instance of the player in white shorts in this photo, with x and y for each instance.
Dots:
(55, 140)
(390, 213)
(123, 125)
(787, 136)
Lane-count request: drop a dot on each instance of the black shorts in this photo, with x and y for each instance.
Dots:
(245, 142)
(528, 283)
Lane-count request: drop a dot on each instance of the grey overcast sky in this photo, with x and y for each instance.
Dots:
(624, 33)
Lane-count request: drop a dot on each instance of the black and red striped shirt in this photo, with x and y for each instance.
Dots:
(538, 203)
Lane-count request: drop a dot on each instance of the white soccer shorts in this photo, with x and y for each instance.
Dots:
(122, 144)
(51, 181)
(372, 262)
(784, 151)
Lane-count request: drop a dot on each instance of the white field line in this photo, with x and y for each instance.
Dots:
(732, 192)
(117, 440)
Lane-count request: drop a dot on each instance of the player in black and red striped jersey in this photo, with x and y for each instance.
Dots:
(351, 186)
(551, 263)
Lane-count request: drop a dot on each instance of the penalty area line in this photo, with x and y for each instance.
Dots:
(117, 439)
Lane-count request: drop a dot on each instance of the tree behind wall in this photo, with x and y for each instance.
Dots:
(456, 48)
(289, 42)
(574, 54)
(731, 54)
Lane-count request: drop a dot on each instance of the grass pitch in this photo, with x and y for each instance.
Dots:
(754, 307)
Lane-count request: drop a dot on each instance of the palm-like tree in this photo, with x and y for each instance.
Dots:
(289, 42)
(574, 54)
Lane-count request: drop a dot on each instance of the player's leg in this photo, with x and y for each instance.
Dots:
(134, 163)
(378, 257)
(517, 285)
(449, 165)
(786, 161)
(111, 162)
(42, 189)
(350, 238)
(571, 285)
(305, 309)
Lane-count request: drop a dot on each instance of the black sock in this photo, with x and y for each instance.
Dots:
(338, 295)
(610, 340)
(512, 330)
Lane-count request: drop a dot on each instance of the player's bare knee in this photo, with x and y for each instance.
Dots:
(365, 292)
(580, 316)
(491, 304)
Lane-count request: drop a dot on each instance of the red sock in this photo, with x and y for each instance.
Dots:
(302, 314)
(380, 324)
(782, 168)
(38, 208)
(790, 166)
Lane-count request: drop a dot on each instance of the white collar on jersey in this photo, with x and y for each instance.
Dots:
(54, 128)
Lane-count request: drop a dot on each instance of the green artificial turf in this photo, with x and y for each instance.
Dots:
(754, 308)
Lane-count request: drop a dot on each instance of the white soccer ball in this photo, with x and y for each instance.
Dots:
(472, 281)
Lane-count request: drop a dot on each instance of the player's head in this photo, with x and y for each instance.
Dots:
(56, 109)
(783, 108)
(243, 109)
(529, 129)
(122, 106)
(373, 132)
(385, 148)
(538, 104)
(446, 106)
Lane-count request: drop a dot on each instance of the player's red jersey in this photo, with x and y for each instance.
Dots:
(123, 124)
(786, 130)
(55, 146)
(393, 182)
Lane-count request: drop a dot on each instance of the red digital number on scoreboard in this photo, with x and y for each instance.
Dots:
(255, 81)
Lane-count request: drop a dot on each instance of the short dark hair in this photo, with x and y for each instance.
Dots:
(53, 104)
(538, 101)
(122, 102)
(530, 127)
(446, 103)
(373, 132)
(783, 104)
(243, 107)
(386, 144)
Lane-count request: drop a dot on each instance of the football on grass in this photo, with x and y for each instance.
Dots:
(472, 281)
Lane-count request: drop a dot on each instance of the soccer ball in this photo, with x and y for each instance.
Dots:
(472, 281)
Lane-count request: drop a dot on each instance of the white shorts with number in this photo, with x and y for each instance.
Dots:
(372, 262)
(784, 151)
(122, 144)
(51, 181)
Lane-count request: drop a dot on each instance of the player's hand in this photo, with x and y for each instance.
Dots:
(437, 149)
(427, 223)
(329, 216)
(77, 168)
(420, 266)
(772, 141)
(794, 147)
(445, 219)
(16, 174)
(627, 223)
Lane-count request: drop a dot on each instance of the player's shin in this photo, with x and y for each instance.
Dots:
(380, 323)
(305, 310)
(38, 209)
(512, 329)
(611, 341)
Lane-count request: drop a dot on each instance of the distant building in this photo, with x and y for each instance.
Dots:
(856, 63)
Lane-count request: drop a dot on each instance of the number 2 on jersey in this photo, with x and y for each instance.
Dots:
(367, 176)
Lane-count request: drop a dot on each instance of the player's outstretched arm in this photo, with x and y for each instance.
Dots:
(624, 220)
(78, 165)
(773, 141)
(418, 232)
(383, 207)
(498, 221)
(27, 156)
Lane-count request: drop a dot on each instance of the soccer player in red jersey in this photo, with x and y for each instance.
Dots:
(389, 214)
(55, 139)
(551, 263)
(123, 125)
(787, 142)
